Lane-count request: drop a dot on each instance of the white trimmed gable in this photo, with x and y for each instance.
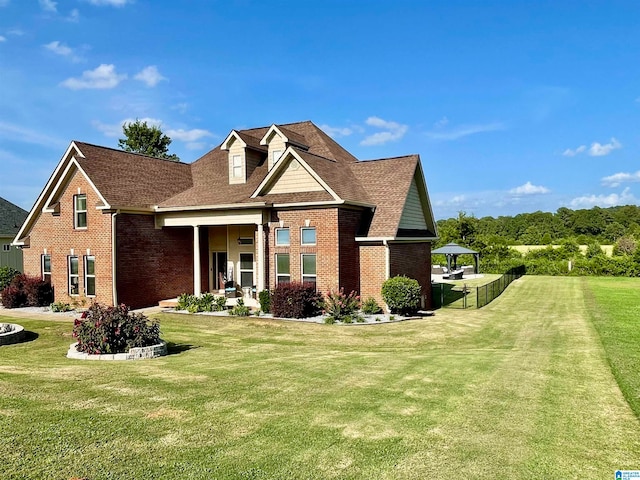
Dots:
(278, 141)
(242, 160)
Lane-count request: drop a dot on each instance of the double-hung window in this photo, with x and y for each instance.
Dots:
(237, 166)
(6, 247)
(283, 237)
(74, 281)
(246, 269)
(46, 267)
(283, 268)
(308, 236)
(90, 275)
(309, 268)
(80, 211)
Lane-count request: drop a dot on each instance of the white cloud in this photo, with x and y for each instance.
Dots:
(188, 135)
(4, 3)
(529, 189)
(598, 150)
(617, 178)
(443, 122)
(74, 16)
(103, 77)
(181, 107)
(595, 150)
(150, 75)
(392, 131)
(336, 132)
(572, 153)
(463, 130)
(2, 39)
(613, 199)
(15, 31)
(111, 3)
(48, 5)
(20, 134)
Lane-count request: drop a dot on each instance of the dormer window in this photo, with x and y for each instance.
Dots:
(275, 156)
(80, 211)
(237, 166)
(277, 139)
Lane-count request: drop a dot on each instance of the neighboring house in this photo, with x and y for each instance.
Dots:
(11, 218)
(269, 205)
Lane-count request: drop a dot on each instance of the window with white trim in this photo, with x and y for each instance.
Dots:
(45, 261)
(308, 236)
(276, 156)
(74, 280)
(246, 269)
(308, 268)
(90, 275)
(6, 247)
(283, 268)
(80, 211)
(283, 237)
(237, 166)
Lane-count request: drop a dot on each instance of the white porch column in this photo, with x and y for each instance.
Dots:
(196, 260)
(260, 284)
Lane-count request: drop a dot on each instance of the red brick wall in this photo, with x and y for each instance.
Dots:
(326, 248)
(152, 264)
(414, 261)
(57, 235)
(349, 253)
(372, 271)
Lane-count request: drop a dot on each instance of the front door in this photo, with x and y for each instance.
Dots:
(219, 269)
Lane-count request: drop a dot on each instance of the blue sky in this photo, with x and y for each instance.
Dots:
(514, 106)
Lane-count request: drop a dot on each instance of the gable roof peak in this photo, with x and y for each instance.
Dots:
(287, 135)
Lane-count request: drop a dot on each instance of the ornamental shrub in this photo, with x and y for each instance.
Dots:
(6, 275)
(401, 294)
(371, 307)
(341, 306)
(265, 301)
(103, 329)
(296, 300)
(240, 309)
(27, 291)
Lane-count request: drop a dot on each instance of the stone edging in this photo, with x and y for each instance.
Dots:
(14, 336)
(136, 353)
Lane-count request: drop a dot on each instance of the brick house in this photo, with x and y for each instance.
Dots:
(268, 205)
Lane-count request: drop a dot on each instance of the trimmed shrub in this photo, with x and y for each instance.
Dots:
(103, 329)
(371, 307)
(296, 300)
(207, 302)
(265, 301)
(26, 291)
(60, 307)
(6, 275)
(240, 309)
(401, 294)
(341, 306)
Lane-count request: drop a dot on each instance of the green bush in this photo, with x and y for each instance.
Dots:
(207, 302)
(60, 307)
(103, 329)
(240, 309)
(6, 275)
(265, 301)
(402, 294)
(371, 307)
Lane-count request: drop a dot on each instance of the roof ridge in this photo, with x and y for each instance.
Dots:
(388, 158)
(129, 153)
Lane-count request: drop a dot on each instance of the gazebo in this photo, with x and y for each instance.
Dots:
(452, 250)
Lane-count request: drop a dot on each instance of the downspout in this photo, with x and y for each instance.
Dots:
(113, 258)
(387, 262)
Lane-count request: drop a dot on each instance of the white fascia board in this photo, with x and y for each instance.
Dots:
(73, 163)
(434, 224)
(38, 205)
(233, 133)
(397, 239)
(272, 128)
(229, 206)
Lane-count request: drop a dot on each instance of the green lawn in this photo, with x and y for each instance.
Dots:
(520, 389)
(452, 291)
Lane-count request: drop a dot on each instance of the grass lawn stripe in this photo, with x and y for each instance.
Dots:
(518, 389)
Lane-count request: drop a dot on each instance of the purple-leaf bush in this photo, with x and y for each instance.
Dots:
(296, 300)
(103, 329)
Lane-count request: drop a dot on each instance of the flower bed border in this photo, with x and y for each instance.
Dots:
(14, 336)
(135, 353)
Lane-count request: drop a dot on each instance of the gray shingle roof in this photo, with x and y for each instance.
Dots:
(11, 218)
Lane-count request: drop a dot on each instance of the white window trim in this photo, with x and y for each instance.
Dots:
(244, 270)
(235, 166)
(86, 275)
(274, 158)
(278, 274)
(315, 275)
(302, 236)
(74, 275)
(76, 211)
(44, 272)
(283, 244)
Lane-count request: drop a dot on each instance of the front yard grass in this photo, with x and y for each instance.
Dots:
(518, 389)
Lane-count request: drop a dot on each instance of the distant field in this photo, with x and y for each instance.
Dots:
(607, 249)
